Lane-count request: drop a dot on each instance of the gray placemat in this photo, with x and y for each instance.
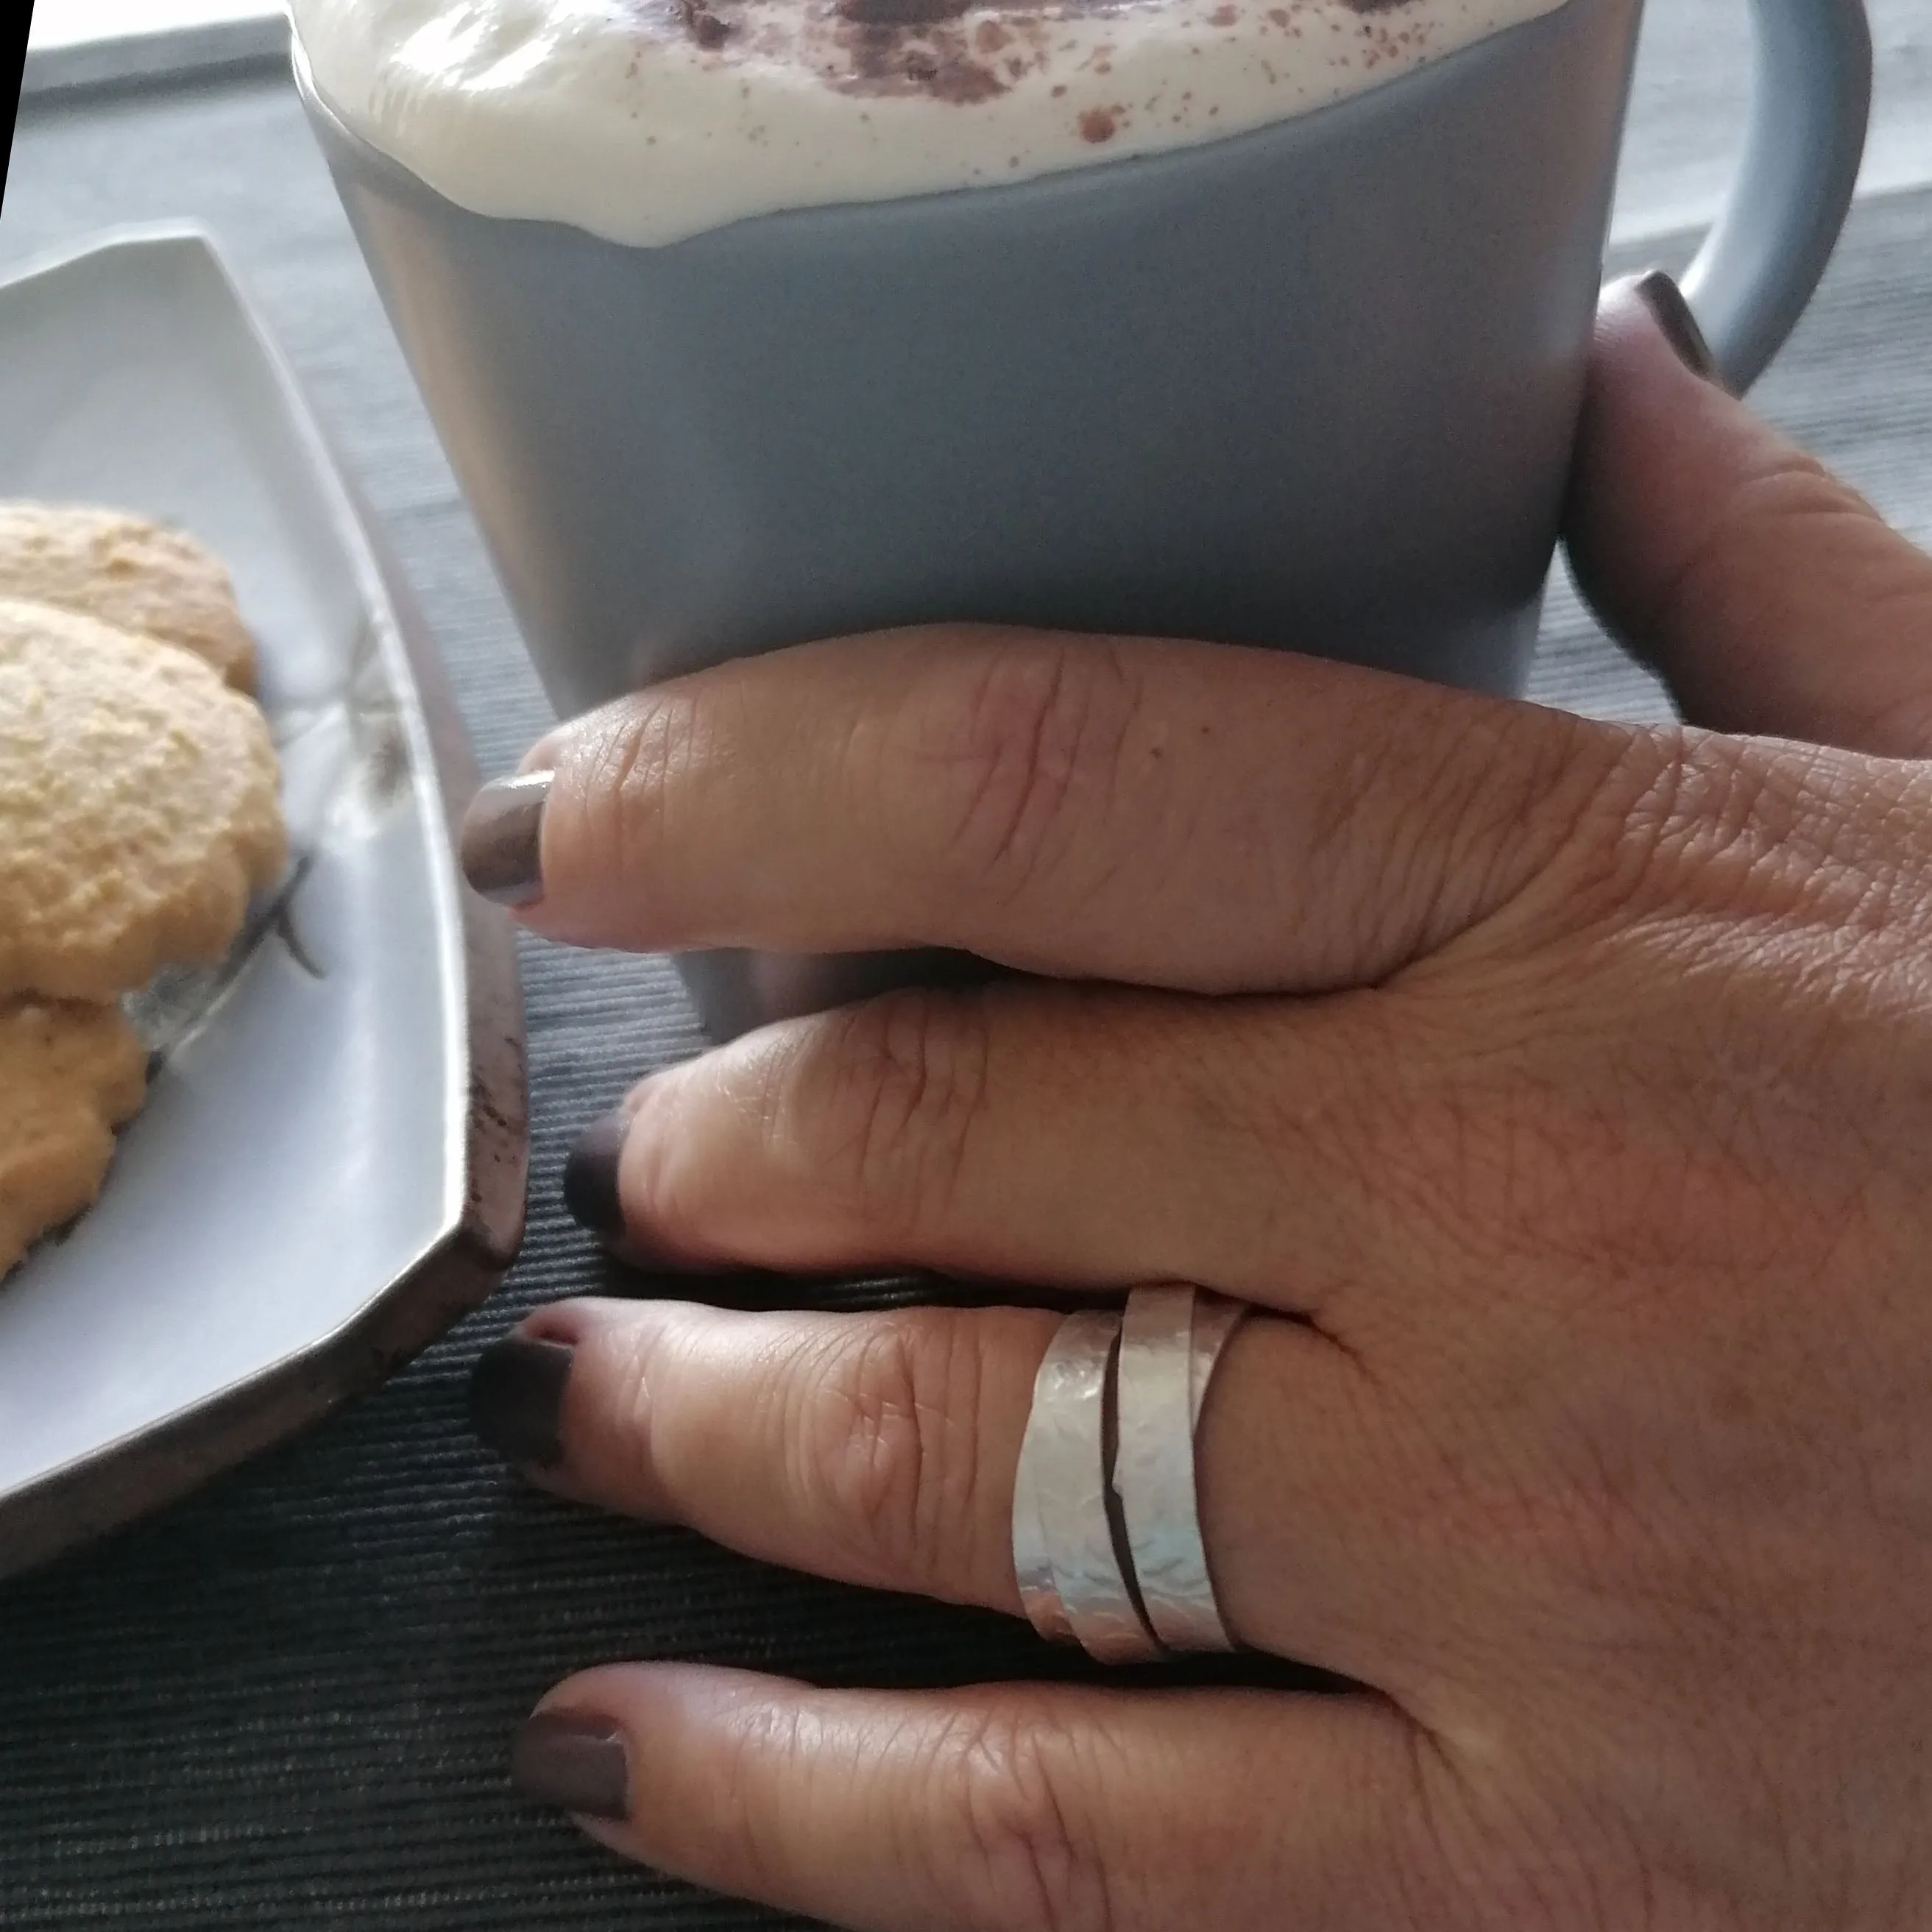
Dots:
(287, 1701)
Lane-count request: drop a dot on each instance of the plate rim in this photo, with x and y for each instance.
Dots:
(135, 1474)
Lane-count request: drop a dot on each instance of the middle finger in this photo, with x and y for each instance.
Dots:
(881, 1449)
(1074, 1139)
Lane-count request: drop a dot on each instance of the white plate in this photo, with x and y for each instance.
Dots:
(330, 1167)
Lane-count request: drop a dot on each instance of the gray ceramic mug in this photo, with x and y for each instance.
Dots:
(1313, 386)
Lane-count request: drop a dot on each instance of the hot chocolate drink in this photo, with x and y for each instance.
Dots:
(647, 121)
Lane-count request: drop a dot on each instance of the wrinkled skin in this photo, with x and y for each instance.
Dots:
(1569, 1085)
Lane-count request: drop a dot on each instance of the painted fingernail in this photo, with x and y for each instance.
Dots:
(590, 1176)
(1665, 300)
(502, 838)
(516, 1399)
(575, 1760)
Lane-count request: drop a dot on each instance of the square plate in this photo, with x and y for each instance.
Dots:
(330, 1168)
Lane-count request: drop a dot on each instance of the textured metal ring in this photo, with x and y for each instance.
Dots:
(1031, 1564)
(1063, 1461)
(1216, 1318)
(1171, 1341)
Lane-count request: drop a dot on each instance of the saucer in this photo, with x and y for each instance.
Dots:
(330, 1168)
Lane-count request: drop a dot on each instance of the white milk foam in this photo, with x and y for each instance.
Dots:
(645, 121)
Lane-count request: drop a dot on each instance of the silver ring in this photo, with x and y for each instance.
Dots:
(1216, 1318)
(1031, 1564)
(1171, 1341)
(1063, 1461)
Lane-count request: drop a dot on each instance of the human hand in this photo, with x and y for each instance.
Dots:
(1561, 1094)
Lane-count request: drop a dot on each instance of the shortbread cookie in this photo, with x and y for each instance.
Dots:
(138, 807)
(69, 1076)
(130, 573)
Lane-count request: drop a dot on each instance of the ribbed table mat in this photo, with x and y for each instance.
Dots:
(287, 1701)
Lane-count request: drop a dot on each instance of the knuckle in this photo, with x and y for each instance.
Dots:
(733, 1831)
(1022, 1852)
(1735, 827)
(893, 1450)
(1497, 795)
(1665, 819)
(622, 1440)
(675, 1191)
(886, 1104)
(1040, 727)
(1776, 504)
(1790, 512)
(1701, 796)
(1491, 802)
(625, 769)
(1624, 820)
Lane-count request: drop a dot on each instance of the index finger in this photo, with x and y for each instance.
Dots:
(1173, 814)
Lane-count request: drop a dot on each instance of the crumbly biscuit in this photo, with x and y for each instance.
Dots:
(139, 807)
(130, 573)
(70, 1075)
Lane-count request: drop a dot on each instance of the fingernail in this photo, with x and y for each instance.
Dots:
(575, 1760)
(1665, 300)
(590, 1176)
(516, 1399)
(502, 838)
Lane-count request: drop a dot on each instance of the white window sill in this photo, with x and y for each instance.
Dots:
(88, 43)
(69, 23)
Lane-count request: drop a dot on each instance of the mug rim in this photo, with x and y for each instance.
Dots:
(1055, 185)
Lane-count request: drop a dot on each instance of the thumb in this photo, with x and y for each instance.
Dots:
(1768, 595)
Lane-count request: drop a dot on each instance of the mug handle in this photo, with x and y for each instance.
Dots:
(1810, 104)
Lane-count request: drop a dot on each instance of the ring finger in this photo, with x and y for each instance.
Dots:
(881, 1449)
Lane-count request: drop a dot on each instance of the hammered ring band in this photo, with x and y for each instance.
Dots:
(1107, 1540)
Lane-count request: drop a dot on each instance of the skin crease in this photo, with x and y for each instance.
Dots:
(1571, 1084)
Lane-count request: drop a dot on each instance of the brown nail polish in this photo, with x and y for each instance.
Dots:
(1665, 300)
(590, 1176)
(575, 1760)
(502, 839)
(516, 1399)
